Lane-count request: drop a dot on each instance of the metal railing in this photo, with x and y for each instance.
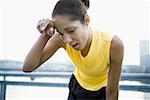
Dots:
(33, 75)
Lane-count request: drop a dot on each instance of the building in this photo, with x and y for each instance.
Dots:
(144, 55)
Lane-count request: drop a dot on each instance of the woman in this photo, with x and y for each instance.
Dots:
(97, 56)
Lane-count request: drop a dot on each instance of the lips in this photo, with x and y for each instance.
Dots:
(75, 45)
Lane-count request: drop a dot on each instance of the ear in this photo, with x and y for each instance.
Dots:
(86, 20)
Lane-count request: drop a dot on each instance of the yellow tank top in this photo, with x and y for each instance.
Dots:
(92, 70)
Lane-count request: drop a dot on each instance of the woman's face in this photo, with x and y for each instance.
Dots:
(73, 33)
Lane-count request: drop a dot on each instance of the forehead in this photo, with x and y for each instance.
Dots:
(63, 22)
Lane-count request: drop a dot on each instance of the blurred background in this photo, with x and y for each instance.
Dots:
(129, 19)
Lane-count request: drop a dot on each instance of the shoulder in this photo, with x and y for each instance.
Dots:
(116, 42)
(104, 35)
(116, 49)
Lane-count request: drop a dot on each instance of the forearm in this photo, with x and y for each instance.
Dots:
(32, 59)
(112, 94)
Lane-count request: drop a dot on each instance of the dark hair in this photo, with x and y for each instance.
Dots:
(74, 9)
(86, 3)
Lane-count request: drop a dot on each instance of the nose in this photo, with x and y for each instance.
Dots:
(67, 38)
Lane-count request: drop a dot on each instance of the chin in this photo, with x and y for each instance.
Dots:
(78, 49)
(81, 48)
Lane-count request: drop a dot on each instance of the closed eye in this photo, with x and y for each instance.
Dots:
(71, 31)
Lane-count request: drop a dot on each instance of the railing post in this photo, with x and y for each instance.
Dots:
(3, 89)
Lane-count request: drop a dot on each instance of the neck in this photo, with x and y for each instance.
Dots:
(85, 51)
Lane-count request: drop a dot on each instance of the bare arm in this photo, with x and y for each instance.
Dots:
(41, 51)
(116, 57)
(51, 47)
(44, 47)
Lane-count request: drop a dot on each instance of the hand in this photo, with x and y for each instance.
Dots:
(46, 27)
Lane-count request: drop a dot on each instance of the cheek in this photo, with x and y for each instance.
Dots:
(80, 36)
(82, 39)
(80, 33)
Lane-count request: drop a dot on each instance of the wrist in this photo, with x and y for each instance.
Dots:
(45, 36)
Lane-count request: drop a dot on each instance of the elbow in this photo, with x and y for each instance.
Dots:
(27, 69)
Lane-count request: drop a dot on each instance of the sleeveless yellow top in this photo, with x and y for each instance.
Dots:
(92, 70)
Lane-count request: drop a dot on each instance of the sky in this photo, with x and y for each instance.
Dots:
(129, 19)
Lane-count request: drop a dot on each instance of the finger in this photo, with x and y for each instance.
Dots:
(51, 31)
(47, 23)
(51, 23)
(38, 24)
(43, 34)
(44, 24)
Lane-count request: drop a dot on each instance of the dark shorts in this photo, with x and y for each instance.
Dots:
(76, 92)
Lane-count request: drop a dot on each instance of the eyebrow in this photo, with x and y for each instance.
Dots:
(69, 28)
(66, 29)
